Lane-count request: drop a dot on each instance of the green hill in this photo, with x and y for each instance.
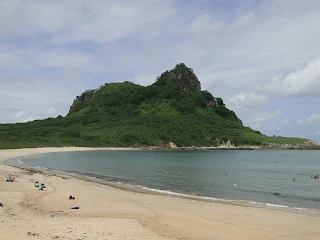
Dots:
(173, 109)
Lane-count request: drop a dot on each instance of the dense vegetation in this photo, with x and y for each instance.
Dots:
(125, 114)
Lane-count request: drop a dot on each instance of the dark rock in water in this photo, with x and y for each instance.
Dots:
(276, 194)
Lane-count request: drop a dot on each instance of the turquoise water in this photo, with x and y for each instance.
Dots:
(260, 176)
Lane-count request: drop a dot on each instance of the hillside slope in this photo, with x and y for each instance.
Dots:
(173, 109)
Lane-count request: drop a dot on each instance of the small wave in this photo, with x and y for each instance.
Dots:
(276, 205)
(19, 161)
(121, 181)
(193, 196)
(227, 200)
(38, 167)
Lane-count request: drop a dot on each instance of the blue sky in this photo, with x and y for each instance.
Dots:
(262, 57)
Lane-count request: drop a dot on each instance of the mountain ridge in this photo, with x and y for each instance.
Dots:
(173, 109)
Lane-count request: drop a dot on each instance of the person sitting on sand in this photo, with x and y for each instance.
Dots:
(10, 178)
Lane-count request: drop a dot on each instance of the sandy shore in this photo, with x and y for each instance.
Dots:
(111, 213)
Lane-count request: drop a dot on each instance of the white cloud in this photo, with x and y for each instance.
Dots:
(300, 121)
(264, 116)
(53, 50)
(286, 120)
(242, 21)
(204, 25)
(303, 82)
(28, 119)
(22, 116)
(51, 110)
(317, 132)
(256, 126)
(246, 100)
(314, 118)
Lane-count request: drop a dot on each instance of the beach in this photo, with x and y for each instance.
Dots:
(106, 212)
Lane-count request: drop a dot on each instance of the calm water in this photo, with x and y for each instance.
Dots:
(259, 175)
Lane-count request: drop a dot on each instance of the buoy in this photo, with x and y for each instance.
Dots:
(234, 185)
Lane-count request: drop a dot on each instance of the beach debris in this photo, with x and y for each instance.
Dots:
(72, 198)
(75, 207)
(42, 185)
(51, 216)
(36, 184)
(32, 234)
(1, 205)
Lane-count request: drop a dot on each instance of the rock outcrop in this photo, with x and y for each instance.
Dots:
(184, 75)
(82, 99)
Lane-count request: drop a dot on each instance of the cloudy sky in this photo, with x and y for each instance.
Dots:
(261, 56)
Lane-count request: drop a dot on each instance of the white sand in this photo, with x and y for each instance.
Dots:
(110, 213)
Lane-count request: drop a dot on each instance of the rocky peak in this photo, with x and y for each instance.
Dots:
(188, 80)
(184, 75)
(80, 100)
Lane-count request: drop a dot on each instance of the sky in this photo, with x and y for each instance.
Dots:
(261, 56)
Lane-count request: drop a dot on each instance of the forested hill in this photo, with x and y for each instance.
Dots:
(173, 109)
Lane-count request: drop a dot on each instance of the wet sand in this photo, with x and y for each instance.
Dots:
(111, 213)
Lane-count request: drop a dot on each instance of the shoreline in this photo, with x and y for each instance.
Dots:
(150, 203)
(158, 192)
(146, 189)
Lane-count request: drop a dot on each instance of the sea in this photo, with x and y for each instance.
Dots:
(262, 177)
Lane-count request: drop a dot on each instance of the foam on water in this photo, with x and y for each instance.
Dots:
(276, 205)
(225, 200)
